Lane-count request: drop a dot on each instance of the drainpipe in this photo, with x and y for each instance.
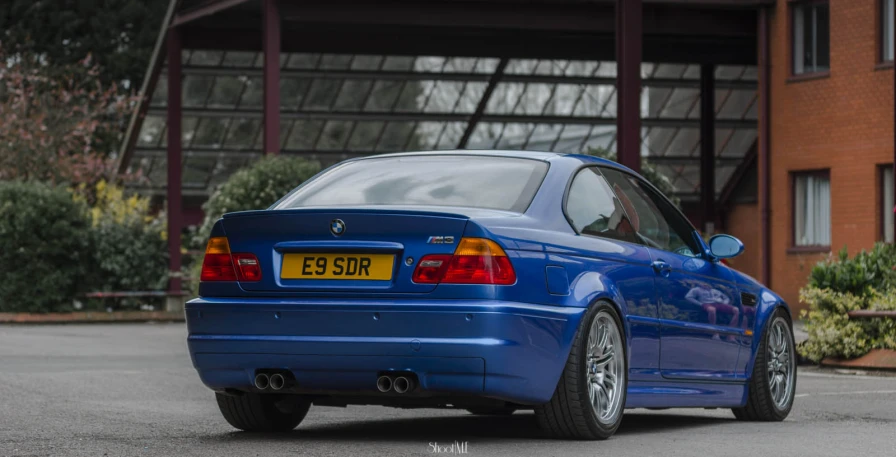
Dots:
(764, 131)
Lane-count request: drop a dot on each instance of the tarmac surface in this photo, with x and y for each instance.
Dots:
(129, 389)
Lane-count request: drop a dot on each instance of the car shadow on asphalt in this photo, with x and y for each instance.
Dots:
(460, 428)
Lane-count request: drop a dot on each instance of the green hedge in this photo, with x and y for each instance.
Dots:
(867, 271)
(45, 248)
(838, 285)
(130, 251)
(54, 247)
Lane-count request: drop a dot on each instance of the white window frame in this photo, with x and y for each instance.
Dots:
(798, 44)
(812, 209)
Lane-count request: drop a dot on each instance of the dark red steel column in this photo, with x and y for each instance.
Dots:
(894, 133)
(708, 146)
(175, 154)
(628, 83)
(271, 44)
(764, 155)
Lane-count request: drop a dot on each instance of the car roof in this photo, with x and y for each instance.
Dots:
(534, 155)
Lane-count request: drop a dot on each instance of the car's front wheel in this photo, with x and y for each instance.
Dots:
(254, 412)
(590, 395)
(772, 386)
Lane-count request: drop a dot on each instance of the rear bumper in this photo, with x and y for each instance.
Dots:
(509, 351)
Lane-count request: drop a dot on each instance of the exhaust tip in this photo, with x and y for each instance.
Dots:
(262, 381)
(384, 384)
(402, 384)
(277, 381)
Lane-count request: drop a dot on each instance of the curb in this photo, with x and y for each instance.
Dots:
(880, 359)
(82, 317)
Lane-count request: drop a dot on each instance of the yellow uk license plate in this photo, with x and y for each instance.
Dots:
(371, 267)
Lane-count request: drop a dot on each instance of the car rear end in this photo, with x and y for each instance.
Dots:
(379, 280)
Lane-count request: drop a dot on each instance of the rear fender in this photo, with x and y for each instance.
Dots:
(587, 290)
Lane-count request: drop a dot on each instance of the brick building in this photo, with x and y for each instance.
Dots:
(831, 138)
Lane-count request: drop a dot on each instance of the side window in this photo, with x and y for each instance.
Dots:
(658, 223)
(594, 210)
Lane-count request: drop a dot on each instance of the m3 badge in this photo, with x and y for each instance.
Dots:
(440, 240)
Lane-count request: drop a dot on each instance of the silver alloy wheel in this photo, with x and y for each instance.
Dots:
(781, 363)
(605, 368)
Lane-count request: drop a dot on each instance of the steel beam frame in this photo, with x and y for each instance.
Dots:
(629, 24)
(707, 147)
(175, 153)
(271, 77)
(386, 75)
(493, 81)
(242, 153)
(386, 116)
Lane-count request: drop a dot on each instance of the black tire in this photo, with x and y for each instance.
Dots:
(761, 406)
(569, 414)
(254, 412)
(493, 411)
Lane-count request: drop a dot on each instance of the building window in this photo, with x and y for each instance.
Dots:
(811, 37)
(887, 203)
(886, 30)
(812, 209)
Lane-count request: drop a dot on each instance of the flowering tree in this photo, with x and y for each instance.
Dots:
(57, 123)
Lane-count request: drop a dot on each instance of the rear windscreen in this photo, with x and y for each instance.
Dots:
(503, 183)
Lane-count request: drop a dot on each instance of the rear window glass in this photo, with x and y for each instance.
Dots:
(503, 183)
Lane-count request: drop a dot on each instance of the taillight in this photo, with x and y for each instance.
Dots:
(218, 264)
(475, 261)
(247, 267)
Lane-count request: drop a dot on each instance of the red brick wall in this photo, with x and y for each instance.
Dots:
(742, 221)
(843, 122)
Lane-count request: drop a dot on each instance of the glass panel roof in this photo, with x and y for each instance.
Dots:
(336, 106)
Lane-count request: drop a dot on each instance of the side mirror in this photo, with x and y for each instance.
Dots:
(725, 246)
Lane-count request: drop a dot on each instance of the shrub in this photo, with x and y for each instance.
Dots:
(257, 186)
(868, 270)
(833, 334)
(45, 246)
(129, 244)
(648, 171)
(838, 285)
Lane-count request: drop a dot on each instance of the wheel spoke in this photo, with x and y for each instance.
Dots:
(595, 400)
(602, 360)
(604, 336)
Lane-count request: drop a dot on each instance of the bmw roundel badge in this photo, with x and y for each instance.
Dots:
(337, 227)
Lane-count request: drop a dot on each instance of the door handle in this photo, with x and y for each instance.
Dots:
(661, 267)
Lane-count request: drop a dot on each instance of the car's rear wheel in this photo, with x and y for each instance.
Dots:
(773, 384)
(590, 395)
(254, 412)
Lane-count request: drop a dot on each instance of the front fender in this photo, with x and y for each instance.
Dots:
(767, 303)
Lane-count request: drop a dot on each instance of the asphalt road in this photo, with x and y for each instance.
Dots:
(130, 390)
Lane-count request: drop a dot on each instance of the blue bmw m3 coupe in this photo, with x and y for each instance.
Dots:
(486, 281)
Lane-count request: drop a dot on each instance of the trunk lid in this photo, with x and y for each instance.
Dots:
(342, 250)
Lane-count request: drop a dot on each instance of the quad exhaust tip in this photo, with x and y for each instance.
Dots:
(262, 381)
(384, 384)
(277, 381)
(401, 385)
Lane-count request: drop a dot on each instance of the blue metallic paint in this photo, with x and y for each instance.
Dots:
(505, 342)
